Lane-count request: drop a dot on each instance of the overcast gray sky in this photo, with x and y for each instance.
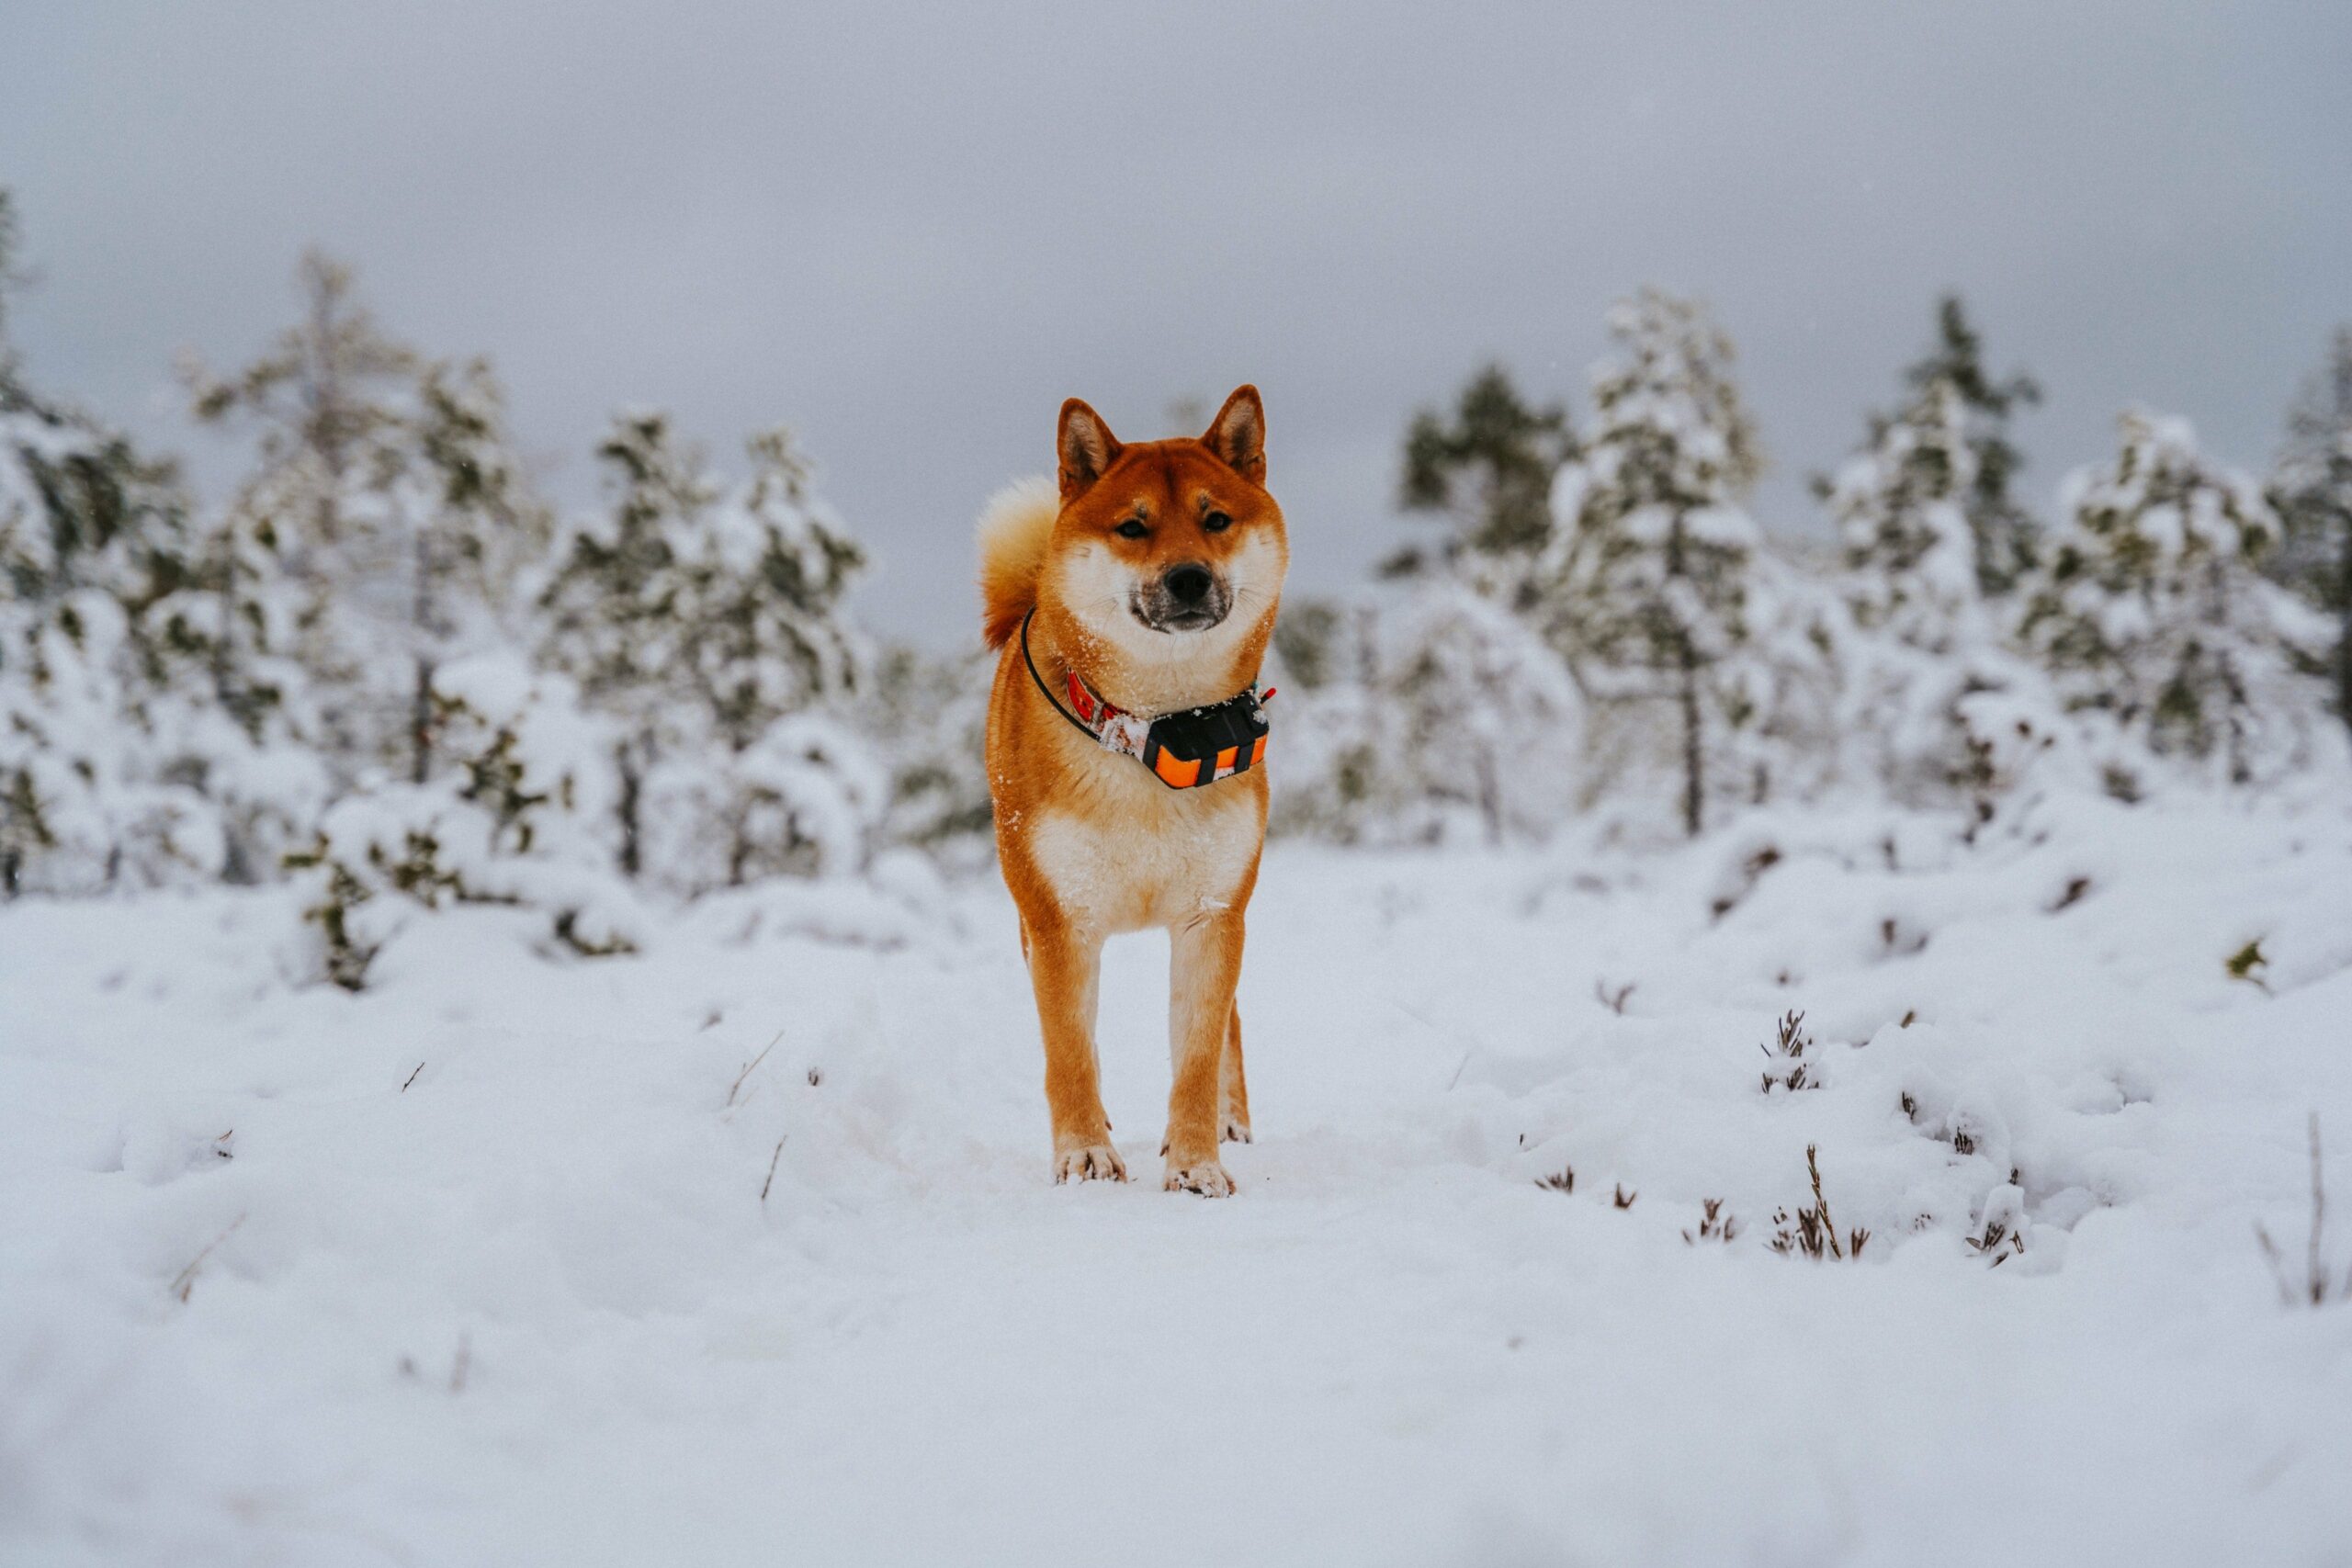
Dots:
(911, 231)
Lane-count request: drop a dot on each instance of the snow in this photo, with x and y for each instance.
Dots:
(743, 1247)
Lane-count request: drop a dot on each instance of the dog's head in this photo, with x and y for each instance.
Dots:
(1167, 549)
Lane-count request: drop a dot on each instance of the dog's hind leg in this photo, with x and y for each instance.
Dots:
(1236, 1097)
(1065, 966)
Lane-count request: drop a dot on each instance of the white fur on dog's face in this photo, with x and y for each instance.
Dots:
(1099, 589)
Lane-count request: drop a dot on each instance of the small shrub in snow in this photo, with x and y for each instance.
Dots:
(378, 856)
(517, 819)
(1786, 1051)
(1716, 1224)
(1998, 1242)
(1812, 1232)
(1563, 1180)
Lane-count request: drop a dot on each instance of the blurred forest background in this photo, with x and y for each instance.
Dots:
(382, 664)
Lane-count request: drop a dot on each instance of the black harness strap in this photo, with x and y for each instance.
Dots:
(1048, 692)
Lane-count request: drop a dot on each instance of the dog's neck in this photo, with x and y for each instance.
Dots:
(1199, 667)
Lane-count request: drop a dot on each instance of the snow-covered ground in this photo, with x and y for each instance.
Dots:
(514, 1261)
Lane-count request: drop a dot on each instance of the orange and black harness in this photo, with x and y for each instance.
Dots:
(1183, 750)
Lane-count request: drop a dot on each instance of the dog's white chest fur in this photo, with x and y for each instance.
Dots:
(1161, 859)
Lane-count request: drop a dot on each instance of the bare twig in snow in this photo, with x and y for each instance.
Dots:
(184, 1281)
(1624, 1200)
(2319, 1218)
(749, 1067)
(412, 1077)
(772, 1164)
(2315, 1288)
(1615, 1000)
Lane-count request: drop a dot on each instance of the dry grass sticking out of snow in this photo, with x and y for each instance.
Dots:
(742, 1248)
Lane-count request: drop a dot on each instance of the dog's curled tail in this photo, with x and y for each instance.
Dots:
(1014, 527)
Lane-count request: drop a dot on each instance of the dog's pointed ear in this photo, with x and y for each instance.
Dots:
(1238, 435)
(1086, 448)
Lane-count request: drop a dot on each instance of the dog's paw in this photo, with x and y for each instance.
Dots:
(1237, 1129)
(1089, 1162)
(1205, 1176)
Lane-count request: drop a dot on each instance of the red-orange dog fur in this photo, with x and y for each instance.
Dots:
(1154, 575)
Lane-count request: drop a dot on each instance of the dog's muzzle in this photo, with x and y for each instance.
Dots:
(1187, 597)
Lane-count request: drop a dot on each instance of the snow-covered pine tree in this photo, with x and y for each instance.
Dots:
(2156, 621)
(245, 699)
(310, 541)
(1929, 534)
(2311, 489)
(708, 624)
(1488, 719)
(473, 530)
(616, 608)
(1424, 711)
(777, 660)
(928, 716)
(1335, 770)
(1924, 514)
(92, 536)
(1646, 584)
(767, 574)
(381, 532)
(1488, 469)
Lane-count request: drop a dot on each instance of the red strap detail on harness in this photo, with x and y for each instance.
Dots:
(1096, 713)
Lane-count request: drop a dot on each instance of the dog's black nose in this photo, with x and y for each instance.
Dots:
(1188, 584)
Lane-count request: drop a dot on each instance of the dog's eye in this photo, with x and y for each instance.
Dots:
(1130, 529)
(1217, 522)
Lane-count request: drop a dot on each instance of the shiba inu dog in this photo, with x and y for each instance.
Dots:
(1132, 604)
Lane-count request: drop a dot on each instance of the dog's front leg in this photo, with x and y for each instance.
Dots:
(1204, 963)
(1065, 965)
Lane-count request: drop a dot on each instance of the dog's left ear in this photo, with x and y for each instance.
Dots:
(1238, 435)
